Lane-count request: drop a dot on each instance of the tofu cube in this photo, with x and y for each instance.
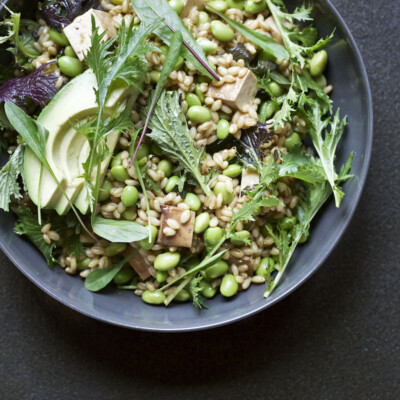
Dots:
(190, 4)
(79, 32)
(250, 178)
(237, 94)
(184, 235)
(138, 263)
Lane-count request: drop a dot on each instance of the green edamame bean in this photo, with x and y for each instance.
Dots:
(177, 5)
(267, 110)
(143, 151)
(222, 129)
(199, 93)
(201, 222)
(217, 269)
(166, 167)
(238, 4)
(119, 173)
(179, 63)
(240, 238)
(166, 261)
(145, 243)
(155, 76)
(218, 5)
(292, 141)
(161, 276)
(130, 213)
(182, 296)
(84, 264)
(104, 192)
(212, 236)
(154, 298)
(233, 171)
(252, 7)
(192, 201)
(124, 276)
(288, 223)
(207, 45)
(203, 18)
(156, 150)
(115, 248)
(129, 196)
(318, 63)
(171, 184)
(70, 66)
(275, 88)
(227, 197)
(207, 290)
(192, 100)
(321, 81)
(199, 114)
(265, 267)
(70, 52)
(164, 50)
(229, 286)
(58, 37)
(116, 160)
(221, 31)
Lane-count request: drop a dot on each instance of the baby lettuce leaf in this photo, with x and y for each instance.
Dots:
(119, 231)
(171, 133)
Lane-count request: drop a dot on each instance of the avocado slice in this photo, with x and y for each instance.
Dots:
(66, 149)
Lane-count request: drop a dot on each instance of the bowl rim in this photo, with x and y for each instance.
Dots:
(255, 309)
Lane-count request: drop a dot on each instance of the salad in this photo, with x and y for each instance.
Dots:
(174, 149)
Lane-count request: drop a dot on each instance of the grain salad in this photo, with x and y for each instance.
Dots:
(175, 149)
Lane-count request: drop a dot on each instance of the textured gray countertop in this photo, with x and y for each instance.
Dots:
(337, 337)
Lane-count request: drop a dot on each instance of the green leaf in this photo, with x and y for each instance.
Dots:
(100, 278)
(171, 133)
(119, 231)
(153, 11)
(9, 174)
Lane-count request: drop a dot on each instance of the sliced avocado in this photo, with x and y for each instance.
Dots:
(66, 149)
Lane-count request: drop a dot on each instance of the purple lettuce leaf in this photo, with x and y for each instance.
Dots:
(36, 86)
(60, 13)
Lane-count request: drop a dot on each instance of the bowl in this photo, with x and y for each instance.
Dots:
(351, 93)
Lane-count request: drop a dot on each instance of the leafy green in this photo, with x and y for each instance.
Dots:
(195, 292)
(118, 230)
(27, 224)
(171, 133)
(9, 175)
(153, 11)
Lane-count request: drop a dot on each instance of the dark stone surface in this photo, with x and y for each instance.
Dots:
(337, 337)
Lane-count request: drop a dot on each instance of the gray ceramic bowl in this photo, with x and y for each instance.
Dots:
(352, 94)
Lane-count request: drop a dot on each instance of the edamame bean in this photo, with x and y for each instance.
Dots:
(218, 5)
(265, 267)
(129, 214)
(171, 184)
(253, 7)
(203, 18)
(179, 63)
(199, 114)
(227, 197)
(207, 290)
(164, 50)
(182, 296)
(166, 261)
(143, 151)
(161, 276)
(58, 37)
(145, 243)
(177, 5)
(321, 81)
(267, 110)
(199, 93)
(233, 171)
(240, 238)
(229, 286)
(155, 76)
(221, 31)
(192, 100)
(201, 222)
(119, 173)
(124, 276)
(216, 270)
(70, 52)
(238, 4)
(288, 223)
(212, 236)
(156, 150)
(166, 167)
(318, 63)
(275, 88)
(84, 264)
(104, 192)
(207, 45)
(115, 248)
(193, 201)
(129, 196)
(154, 298)
(70, 66)
(222, 129)
(292, 141)
(116, 160)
